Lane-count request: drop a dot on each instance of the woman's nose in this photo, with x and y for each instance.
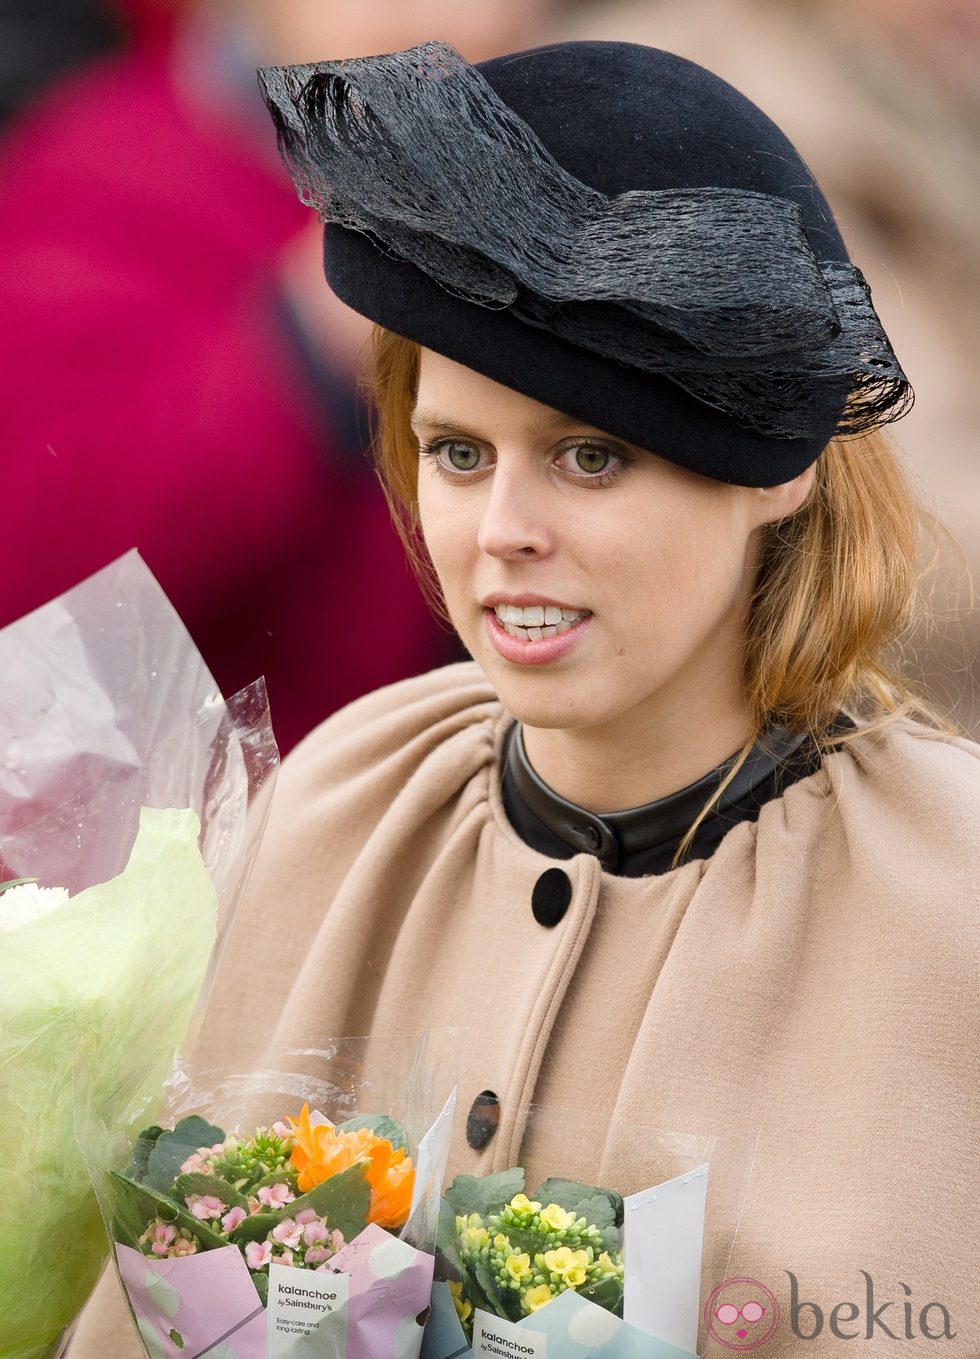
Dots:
(514, 518)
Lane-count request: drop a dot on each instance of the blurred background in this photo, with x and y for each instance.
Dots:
(175, 375)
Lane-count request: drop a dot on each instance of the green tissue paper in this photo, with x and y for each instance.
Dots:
(96, 997)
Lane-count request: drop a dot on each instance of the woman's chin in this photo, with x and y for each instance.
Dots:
(551, 703)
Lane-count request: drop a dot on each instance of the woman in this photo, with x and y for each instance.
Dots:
(678, 846)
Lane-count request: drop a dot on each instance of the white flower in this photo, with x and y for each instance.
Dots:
(20, 905)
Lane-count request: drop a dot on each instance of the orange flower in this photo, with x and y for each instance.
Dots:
(321, 1151)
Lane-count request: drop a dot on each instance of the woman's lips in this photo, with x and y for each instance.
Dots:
(541, 652)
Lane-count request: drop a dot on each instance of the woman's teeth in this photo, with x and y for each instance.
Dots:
(536, 621)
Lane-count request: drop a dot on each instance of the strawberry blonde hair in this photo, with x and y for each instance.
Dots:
(837, 592)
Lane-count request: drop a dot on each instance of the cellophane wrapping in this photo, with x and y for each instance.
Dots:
(600, 1243)
(128, 780)
(285, 1206)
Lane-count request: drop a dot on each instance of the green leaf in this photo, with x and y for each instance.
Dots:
(256, 1228)
(171, 1150)
(344, 1201)
(134, 1207)
(285, 1176)
(607, 1293)
(381, 1125)
(446, 1238)
(140, 1153)
(598, 1210)
(583, 1200)
(198, 1132)
(261, 1281)
(484, 1194)
(197, 1183)
(476, 1294)
(177, 1338)
(503, 1302)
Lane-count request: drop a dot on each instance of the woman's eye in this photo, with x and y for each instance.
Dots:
(461, 457)
(592, 459)
(592, 462)
(451, 455)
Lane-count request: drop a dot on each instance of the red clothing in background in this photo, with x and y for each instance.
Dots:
(151, 395)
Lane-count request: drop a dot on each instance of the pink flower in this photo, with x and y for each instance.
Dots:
(258, 1254)
(232, 1219)
(276, 1195)
(280, 1130)
(314, 1233)
(286, 1258)
(201, 1159)
(306, 1215)
(184, 1246)
(203, 1206)
(316, 1255)
(158, 1236)
(288, 1232)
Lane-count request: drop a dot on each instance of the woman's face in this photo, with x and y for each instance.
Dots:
(588, 578)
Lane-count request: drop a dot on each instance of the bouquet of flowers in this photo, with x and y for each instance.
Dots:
(514, 1254)
(576, 1264)
(264, 1237)
(131, 801)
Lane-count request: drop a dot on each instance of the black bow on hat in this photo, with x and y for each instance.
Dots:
(605, 227)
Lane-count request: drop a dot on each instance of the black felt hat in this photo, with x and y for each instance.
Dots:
(605, 227)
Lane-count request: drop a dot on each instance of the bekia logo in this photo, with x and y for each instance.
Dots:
(742, 1314)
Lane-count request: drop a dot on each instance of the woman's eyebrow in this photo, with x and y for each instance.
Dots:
(430, 419)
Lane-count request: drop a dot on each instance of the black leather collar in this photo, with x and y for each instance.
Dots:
(644, 839)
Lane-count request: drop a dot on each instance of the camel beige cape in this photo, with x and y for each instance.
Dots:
(817, 982)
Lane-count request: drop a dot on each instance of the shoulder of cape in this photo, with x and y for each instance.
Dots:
(920, 788)
(934, 763)
(445, 718)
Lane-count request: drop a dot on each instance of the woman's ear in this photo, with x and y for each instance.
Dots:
(786, 498)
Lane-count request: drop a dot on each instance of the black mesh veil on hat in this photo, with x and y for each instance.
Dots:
(605, 227)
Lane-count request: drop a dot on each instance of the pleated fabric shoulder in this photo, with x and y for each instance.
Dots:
(384, 739)
(394, 759)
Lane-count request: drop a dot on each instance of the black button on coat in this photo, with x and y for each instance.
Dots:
(483, 1119)
(551, 896)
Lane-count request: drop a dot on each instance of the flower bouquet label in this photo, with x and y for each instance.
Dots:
(304, 1306)
(496, 1338)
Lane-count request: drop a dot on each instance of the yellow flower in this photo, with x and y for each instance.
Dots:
(569, 1265)
(536, 1297)
(474, 1238)
(463, 1305)
(474, 1220)
(607, 1264)
(556, 1218)
(500, 1242)
(518, 1267)
(522, 1204)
